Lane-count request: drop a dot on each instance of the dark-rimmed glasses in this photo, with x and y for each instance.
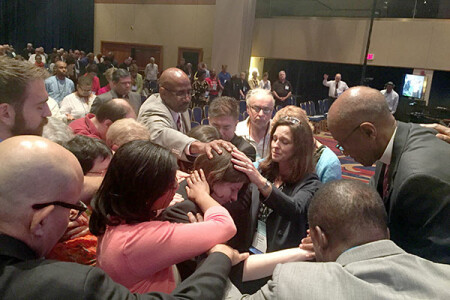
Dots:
(81, 207)
(338, 146)
(257, 109)
(180, 94)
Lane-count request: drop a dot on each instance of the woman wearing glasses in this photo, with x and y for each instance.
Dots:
(285, 184)
(134, 248)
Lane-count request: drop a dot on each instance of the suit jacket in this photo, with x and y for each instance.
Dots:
(24, 276)
(244, 146)
(133, 98)
(163, 131)
(377, 270)
(418, 197)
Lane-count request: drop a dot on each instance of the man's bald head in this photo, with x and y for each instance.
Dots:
(175, 89)
(36, 170)
(361, 110)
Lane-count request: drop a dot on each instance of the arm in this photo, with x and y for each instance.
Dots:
(394, 104)
(262, 265)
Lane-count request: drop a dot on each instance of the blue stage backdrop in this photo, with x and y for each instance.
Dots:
(52, 23)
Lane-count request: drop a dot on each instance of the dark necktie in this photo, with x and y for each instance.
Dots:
(179, 123)
(336, 90)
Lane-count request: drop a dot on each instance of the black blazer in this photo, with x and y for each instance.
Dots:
(244, 147)
(24, 276)
(418, 198)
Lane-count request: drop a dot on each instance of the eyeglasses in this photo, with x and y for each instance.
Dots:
(291, 120)
(338, 146)
(180, 93)
(257, 109)
(81, 207)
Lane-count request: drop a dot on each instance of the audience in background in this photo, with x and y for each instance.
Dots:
(256, 128)
(412, 175)
(137, 83)
(92, 70)
(254, 82)
(126, 64)
(243, 85)
(28, 51)
(265, 82)
(59, 86)
(281, 89)
(38, 62)
(136, 249)
(96, 125)
(224, 76)
(102, 67)
(121, 88)
(108, 75)
(78, 104)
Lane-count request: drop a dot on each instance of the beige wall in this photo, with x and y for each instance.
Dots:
(170, 26)
(419, 43)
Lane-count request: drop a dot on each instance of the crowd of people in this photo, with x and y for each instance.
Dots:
(103, 195)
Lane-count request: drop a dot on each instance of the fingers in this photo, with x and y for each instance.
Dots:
(227, 145)
(238, 257)
(199, 217)
(202, 175)
(216, 147)
(191, 217)
(443, 137)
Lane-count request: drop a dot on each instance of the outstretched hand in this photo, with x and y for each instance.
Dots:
(197, 185)
(232, 254)
(245, 165)
(443, 132)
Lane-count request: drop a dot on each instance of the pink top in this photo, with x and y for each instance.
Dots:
(140, 256)
(84, 126)
(104, 89)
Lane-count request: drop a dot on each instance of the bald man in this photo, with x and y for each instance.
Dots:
(34, 213)
(335, 87)
(97, 125)
(412, 172)
(166, 116)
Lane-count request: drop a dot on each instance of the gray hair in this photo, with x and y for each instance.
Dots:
(57, 131)
(258, 92)
(120, 73)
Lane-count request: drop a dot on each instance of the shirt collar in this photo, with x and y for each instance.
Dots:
(175, 115)
(387, 155)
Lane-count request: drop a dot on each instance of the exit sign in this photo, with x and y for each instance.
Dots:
(370, 56)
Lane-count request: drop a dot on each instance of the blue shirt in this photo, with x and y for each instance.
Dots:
(224, 77)
(328, 168)
(58, 89)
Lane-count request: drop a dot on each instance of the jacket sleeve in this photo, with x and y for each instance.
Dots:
(178, 212)
(208, 282)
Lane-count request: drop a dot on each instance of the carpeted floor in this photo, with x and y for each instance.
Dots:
(350, 168)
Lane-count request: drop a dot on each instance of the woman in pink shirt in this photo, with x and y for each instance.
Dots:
(134, 248)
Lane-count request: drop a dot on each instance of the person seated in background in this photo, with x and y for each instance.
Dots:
(256, 128)
(92, 70)
(223, 114)
(200, 90)
(136, 249)
(125, 130)
(38, 61)
(121, 88)
(108, 75)
(137, 83)
(78, 104)
(59, 86)
(33, 216)
(328, 167)
(357, 260)
(97, 125)
(78, 244)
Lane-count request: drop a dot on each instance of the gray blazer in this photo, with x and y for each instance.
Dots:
(156, 116)
(377, 270)
(133, 98)
(418, 197)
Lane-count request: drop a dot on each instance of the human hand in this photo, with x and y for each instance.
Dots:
(70, 117)
(245, 165)
(197, 185)
(195, 218)
(306, 243)
(325, 76)
(215, 145)
(77, 228)
(180, 175)
(232, 254)
(177, 198)
(443, 132)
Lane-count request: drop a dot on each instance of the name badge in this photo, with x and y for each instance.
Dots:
(260, 238)
(286, 87)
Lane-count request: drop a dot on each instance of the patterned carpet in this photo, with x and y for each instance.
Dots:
(350, 168)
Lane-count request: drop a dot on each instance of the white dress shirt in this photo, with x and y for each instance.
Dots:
(391, 99)
(342, 86)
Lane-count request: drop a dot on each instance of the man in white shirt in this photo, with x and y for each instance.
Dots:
(335, 87)
(40, 51)
(151, 75)
(391, 96)
(256, 128)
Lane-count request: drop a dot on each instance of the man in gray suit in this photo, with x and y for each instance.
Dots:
(412, 173)
(166, 116)
(357, 260)
(121, 88)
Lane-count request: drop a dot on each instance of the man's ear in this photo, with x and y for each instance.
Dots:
(107, 123)
(319, 237)
(7, 114)
(39, 220)
(369, 130)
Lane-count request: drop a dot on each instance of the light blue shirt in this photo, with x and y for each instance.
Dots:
(328, 168)
(58, 89)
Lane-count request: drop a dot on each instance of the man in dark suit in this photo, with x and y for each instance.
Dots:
(39, 194)
(412, 173)
(223, 114)
(166, 116)
(121, 88)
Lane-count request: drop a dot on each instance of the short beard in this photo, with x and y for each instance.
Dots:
(20, 128)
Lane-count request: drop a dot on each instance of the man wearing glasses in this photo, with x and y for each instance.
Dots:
(256, 128)
(412, 172)
(34, 212)
(166, 116)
